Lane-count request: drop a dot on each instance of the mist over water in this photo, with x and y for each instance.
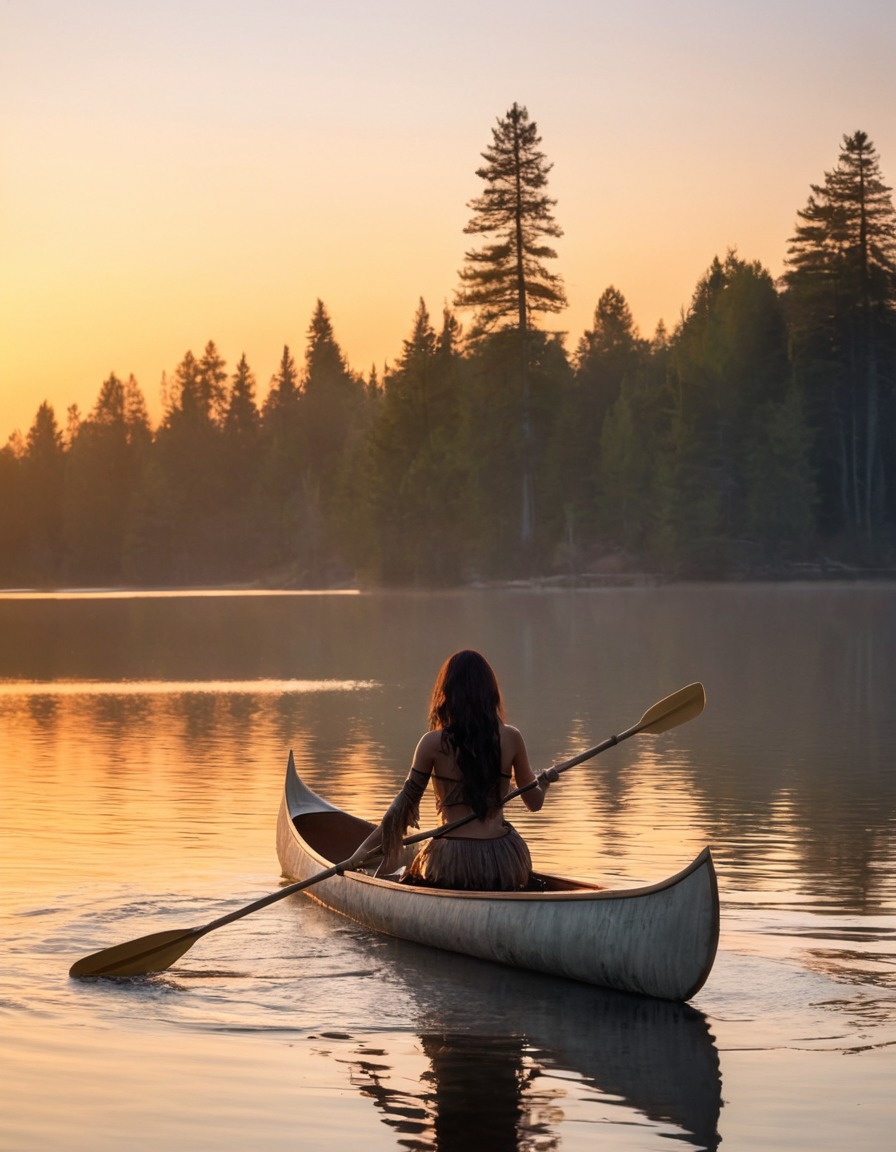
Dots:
(142, 747)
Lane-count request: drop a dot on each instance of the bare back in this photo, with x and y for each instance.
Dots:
(437, 761)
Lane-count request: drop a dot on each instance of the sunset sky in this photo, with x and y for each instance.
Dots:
(195, 170)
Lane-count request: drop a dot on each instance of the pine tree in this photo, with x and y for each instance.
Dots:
(213, 380)
(607, 354)
(284, 390)
(841, 296)
(241, 433)
(189, 396)
(43, 473)
(104, 462)
(399, 506)
(332, 398)
(507, 280)
(413, 482)
(282, 467)
(177, 533)
(241, 412)
(729, 375)
(13, 512)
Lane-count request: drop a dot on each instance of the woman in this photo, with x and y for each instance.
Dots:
(473, 760)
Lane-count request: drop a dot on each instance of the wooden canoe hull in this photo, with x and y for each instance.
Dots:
(658, 940)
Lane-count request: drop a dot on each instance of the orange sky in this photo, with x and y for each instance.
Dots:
(185, 171)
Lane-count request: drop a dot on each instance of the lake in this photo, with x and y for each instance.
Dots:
(143, 742)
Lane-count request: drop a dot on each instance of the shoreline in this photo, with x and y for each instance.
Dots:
(583, 581)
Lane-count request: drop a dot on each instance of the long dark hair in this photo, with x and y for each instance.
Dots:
(466, 705)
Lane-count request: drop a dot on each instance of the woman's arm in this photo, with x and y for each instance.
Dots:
(366, 848)
(402, 812)
(523, 774)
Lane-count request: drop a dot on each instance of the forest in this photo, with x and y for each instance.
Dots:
(755, 440)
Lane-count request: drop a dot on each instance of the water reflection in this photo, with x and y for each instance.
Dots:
(510, 1056)
(479, 1090)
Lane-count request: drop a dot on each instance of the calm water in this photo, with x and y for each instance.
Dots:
(142, 747)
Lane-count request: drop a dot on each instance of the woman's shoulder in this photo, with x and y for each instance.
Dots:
(427, 752)
(431, 742)
(512, 735)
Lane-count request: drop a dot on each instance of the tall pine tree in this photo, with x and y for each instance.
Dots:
(841, 296)
(507, 280)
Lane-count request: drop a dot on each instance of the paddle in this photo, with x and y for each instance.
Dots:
(159, 950)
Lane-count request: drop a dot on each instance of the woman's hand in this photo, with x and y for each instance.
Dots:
(365, 851)
(549, 776)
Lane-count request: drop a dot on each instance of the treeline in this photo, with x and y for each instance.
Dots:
(758, 436)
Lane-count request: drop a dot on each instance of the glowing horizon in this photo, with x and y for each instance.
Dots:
(192, 172)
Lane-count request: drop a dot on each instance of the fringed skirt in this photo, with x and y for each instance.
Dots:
(501, 864)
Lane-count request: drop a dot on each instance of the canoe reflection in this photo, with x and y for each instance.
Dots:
(501, 1044)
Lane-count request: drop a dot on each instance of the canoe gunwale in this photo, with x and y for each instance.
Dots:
(584, 890)
(373, 902)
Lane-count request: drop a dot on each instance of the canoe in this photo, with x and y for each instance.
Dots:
(657, 940)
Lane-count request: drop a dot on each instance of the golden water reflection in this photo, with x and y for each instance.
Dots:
(83, 594)
(18, 689)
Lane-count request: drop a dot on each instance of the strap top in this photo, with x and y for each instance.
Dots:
(449, 791)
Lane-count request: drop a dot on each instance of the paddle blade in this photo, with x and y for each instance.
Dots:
(153, 953)
(676, 709)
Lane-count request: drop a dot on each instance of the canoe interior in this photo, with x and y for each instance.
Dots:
(334, 835)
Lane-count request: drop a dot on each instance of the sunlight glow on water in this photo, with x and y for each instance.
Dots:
(15, 688)
(168, 593)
